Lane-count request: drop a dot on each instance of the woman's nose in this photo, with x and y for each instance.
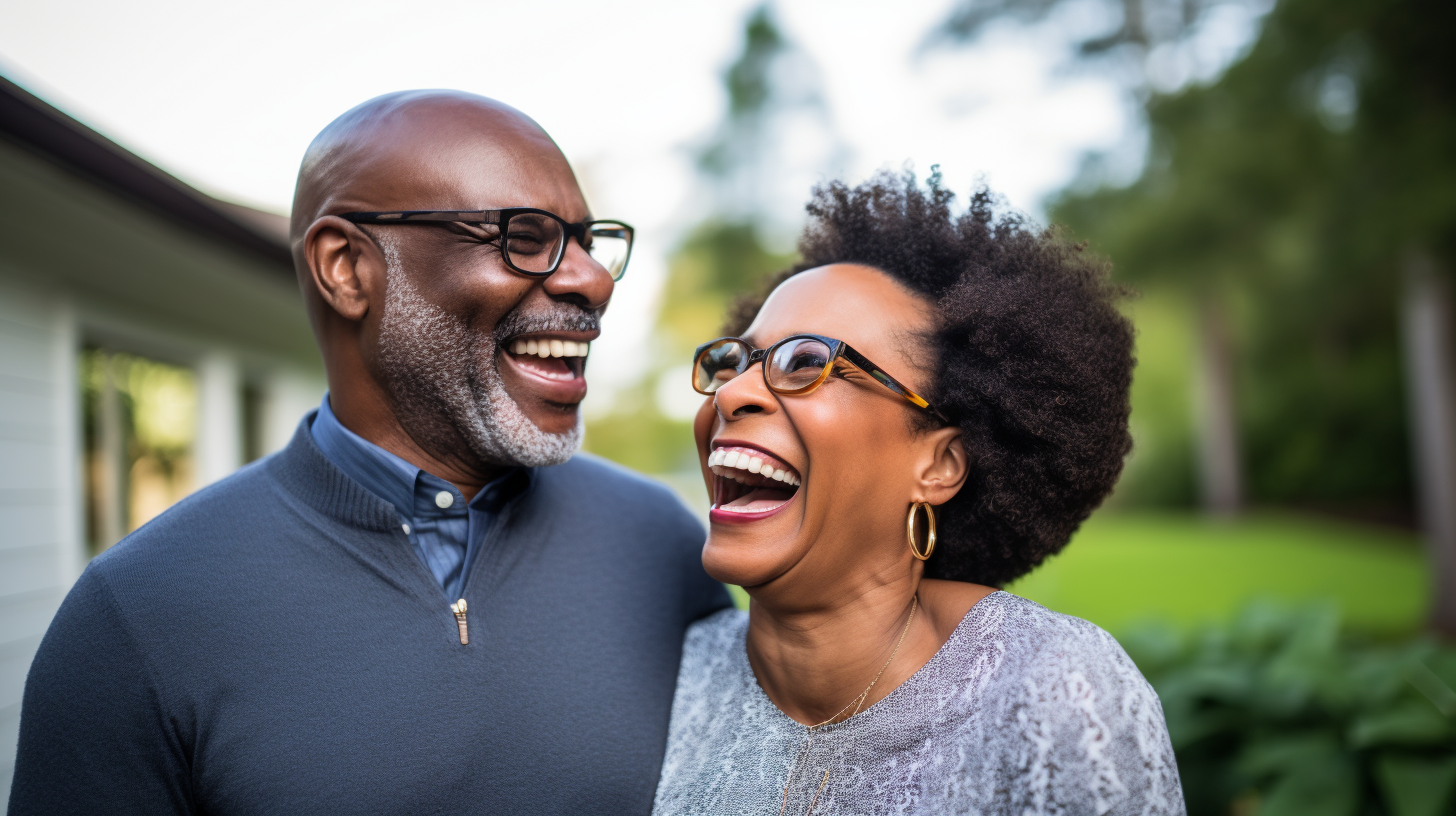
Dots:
(744, 395)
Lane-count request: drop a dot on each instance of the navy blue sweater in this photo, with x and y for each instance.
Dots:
(272, 644)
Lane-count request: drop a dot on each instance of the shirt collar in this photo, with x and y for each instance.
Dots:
(388, 476)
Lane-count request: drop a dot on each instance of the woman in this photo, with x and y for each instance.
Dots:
(938, 403)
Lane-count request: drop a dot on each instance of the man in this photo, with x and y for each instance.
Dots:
(425, 604)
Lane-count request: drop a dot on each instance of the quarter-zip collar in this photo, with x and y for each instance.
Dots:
(442, 528)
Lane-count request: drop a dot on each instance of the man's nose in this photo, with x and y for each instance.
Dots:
(581, 276)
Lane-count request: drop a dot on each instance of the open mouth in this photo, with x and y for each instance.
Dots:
(548, 367)
(750, 484)
(549, 357)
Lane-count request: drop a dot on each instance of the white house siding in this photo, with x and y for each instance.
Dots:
(40, 542)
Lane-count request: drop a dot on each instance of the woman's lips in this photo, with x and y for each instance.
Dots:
(725, 515)
(749, 484)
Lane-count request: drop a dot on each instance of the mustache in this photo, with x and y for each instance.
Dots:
(560, 317)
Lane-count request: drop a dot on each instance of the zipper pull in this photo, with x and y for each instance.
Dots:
(459, 609)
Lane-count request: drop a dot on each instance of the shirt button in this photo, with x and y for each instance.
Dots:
(404, 527)
(443, 499)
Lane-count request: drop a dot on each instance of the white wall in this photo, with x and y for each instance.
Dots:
(40, 483)
(287, 395)
(219, 446)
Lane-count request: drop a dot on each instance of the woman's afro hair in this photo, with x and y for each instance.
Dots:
(1033, 360)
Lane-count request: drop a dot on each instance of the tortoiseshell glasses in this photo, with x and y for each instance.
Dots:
(794, 365)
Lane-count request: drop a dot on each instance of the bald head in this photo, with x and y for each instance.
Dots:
(425, 150)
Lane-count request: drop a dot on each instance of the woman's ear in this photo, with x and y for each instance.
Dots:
(341, 260)
(946, 469)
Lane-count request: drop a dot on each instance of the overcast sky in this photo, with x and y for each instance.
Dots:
(227, 95)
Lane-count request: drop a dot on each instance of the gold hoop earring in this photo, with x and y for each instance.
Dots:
(910, 531)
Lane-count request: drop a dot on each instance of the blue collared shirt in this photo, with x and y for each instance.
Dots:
(444, 529)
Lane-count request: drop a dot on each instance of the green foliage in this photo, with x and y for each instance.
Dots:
(158, 402)
(770, 79)
(748, 82)
(1291, 190)
(1281, 713)
(641, 439)
(1160, 470)
(719, 261)
(1142, 25)
(139, 419)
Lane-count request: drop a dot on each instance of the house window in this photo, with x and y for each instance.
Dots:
(140, 429)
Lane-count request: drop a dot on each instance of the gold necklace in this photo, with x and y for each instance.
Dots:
(857, 703)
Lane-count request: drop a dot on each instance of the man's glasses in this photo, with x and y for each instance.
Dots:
(532, 241)
(796, 364)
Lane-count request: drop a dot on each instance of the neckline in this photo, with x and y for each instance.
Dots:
(761, 697)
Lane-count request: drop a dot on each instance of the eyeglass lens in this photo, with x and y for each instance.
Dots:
(609, 244)
(793, 365)
(797, 363)
(719, 364)
(535, 243)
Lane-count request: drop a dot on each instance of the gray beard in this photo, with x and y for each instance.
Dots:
(444, 380)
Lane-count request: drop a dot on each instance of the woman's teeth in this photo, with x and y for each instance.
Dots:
(549, 348)
(725, 461)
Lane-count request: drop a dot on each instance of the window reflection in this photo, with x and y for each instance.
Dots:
(140, 431)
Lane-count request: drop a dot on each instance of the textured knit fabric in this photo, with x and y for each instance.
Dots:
(444, 537)
(273, 645)
(1023, 711)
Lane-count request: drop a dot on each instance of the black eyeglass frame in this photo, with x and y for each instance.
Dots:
(499, 218)
(838, 350)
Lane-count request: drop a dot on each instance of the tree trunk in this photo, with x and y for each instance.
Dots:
(1426, 326)
(1219, 477)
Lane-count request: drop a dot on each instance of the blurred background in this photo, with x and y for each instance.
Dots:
(1276, 179)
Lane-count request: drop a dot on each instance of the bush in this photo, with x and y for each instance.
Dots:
(1283, 714)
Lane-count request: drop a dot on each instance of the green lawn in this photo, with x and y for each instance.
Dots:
(1124, 568)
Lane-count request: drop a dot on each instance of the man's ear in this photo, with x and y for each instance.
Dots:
(946, 469)
(345, 265)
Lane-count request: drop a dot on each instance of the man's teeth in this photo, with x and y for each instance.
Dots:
(730, 460)
(550, 348)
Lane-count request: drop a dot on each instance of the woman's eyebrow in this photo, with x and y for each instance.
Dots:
(753, 341)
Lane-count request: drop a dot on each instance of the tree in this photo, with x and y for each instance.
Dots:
(1137, 27)
(774, 99)
(1148, 44)
(1314, 187)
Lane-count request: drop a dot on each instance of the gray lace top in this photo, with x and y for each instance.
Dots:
(1022, 711)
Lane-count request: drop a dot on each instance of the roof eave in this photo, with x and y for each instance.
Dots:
(41, 128)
